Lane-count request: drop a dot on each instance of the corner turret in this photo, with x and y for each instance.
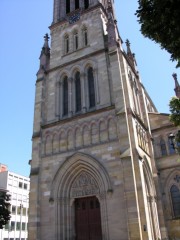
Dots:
(44, 56)
(131, 56)
(113, 34)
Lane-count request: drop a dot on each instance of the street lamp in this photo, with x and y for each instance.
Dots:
(21, 213)
(21, 208)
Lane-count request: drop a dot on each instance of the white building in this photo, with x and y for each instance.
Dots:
(18, 188)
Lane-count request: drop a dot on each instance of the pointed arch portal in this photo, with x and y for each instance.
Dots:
(80, 188)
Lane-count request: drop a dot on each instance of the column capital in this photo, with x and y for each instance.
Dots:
(82, 74)
(70, 79)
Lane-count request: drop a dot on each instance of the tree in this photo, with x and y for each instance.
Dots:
(174, 105)
(160, 22)
(4, 208)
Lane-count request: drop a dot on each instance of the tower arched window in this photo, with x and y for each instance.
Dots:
(76, 40)
(86, 4)
(78, 91)
(76, 4)
(67, 6)
(85, 36)
(91, 88)
(65, 96)
(175, 197)
(163, 148)
(66, 43)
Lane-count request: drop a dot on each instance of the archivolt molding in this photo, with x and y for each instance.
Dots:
(90, 63)
(61, 75)
(151, 198)
(79, 176)
(149, 177)
(73, 167)
(168, 183)
(170, 180)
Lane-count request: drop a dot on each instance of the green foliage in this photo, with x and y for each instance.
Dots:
(4, 209)
(160, 21)
(174, 105)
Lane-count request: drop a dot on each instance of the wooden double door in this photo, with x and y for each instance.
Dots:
(88, 219)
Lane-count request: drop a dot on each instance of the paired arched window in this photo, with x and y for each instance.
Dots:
(67, 6)
(175, 197)
(76, 4)
(91, 89)
(78, 92)
(85, 36)
(66, 43)
(65, 96)
(73, 100)
(86, 4)
(76, 40)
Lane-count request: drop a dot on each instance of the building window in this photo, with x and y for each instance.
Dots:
(76, 43)
(13, 211)
(175, 196)
(18, 226)
(24, 211)
(23, 226)
(67, 6)
(65, 96)
(25, 186)
(76, 4)
(14, 196)
(91, 88)
(15, 183)
(66, 43)
(78, 91)
(163, 148)
(10, 182)
(7, 227)
(86, 4)
(12, 225)
(18, 210)
(20, 184)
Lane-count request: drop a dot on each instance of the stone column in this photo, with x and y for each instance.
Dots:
(81, 3)
(72, 6)
(96, 86)
(60, 99)
(70, 99)
(57, 100)
(83, 91)
(62, 9)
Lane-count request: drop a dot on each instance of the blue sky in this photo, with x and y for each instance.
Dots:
(23, 24)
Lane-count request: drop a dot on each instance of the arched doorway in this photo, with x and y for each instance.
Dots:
(80, 177)
(88, 219)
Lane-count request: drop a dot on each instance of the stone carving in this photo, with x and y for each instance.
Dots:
(84, 185)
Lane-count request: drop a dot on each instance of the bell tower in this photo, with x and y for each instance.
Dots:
(91, 138)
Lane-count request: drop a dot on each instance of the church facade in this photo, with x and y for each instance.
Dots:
(102, 166)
